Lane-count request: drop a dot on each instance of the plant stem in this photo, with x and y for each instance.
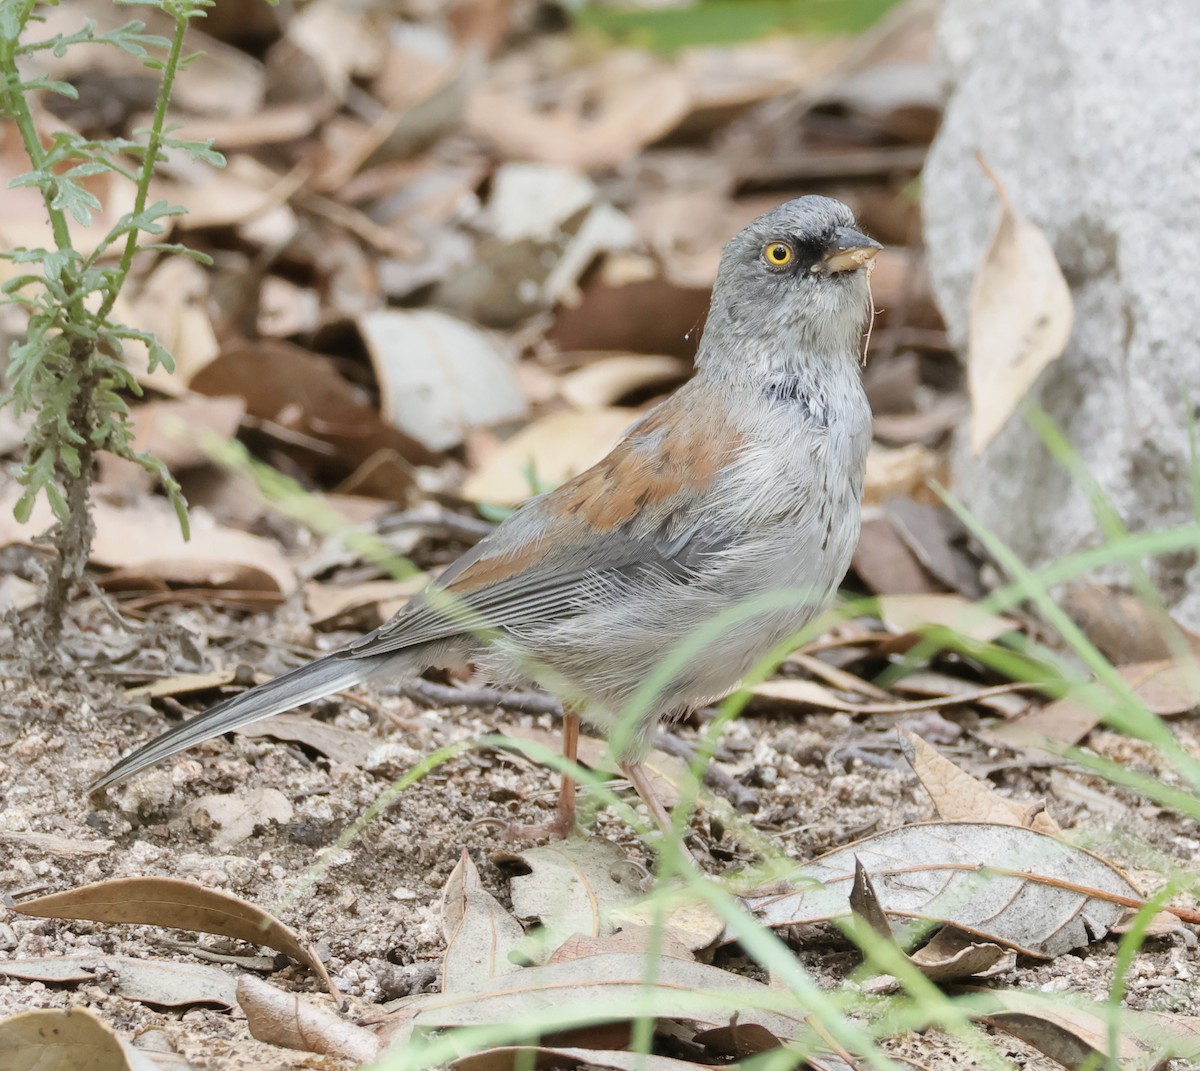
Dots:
(154, 142)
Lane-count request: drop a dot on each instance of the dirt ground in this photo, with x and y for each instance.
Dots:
(819, 780)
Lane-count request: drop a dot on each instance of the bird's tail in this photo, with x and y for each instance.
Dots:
(301, 685)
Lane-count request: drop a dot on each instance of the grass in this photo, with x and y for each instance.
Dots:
(845, 1015)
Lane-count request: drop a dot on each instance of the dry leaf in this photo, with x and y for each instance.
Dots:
(142, 545)
(1077, 1035)
(911, 613)
(557, 447)
(1006, 884)
(1020, 319)
(480, 935)
(611, 378)
(178, 904)
(513, 1057)
(340, 745)
(71, 1040)
(191, 683)
(286, 1019)
(439, 376)
(610, 110)
(163, 983)
(813, 694)
(959, 797)
(53, 844)
(905, 470)
(572, 886)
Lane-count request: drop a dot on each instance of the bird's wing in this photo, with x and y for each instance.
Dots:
(644, 509)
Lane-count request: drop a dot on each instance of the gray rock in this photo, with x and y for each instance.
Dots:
(1087, 110)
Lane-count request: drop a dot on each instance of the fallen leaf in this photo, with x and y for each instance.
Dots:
(513, 1057)
(647, 940)
(440, 376)
(178, 904)
(605, 114)
(556, 447)
(886, 565)
(904, 470)
(609, 379)
(480, 934)
(959, 797)
(163, 983)
(911, 613)
(1001, 883)
(233, 817)
(1121, 624)
(71, 1040)
(141, 544)
(191, 683)
(340, 745)
(302, 391)
(1019, 320)
(814, 694)
(328, 602)
(572, 886)
(287, 1019)
(1078, 1034)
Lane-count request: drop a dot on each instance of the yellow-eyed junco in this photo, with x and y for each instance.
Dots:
(744, 483)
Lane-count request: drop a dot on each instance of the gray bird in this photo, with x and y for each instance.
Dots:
(743, 485)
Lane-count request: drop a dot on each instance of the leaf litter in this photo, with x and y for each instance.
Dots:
(379, 168)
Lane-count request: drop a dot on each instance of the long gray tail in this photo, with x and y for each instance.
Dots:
(302, 685)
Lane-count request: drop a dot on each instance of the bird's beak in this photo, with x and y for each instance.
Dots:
(849, 251)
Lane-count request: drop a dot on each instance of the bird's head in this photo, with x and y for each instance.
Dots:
(794, 281)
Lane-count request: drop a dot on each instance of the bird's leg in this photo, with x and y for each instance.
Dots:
(563, 824)
(636, 773)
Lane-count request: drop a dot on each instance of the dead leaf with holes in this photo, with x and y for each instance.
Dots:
(1019, 321)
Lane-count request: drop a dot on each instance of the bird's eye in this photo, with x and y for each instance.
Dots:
(778, 254)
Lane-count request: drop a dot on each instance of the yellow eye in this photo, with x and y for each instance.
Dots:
(778, 254)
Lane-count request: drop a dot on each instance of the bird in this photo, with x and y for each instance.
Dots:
(725, 518)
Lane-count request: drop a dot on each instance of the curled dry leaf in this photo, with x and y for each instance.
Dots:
(606, 381)
(511, 1057)
(480, 934)
(52, 1040)
(1019, 321)
(163, 983)
(910, 613)
(960, 797)
(340, 745)
(1001, 883)
(297, 1023)
(949, 956)
(180, 905)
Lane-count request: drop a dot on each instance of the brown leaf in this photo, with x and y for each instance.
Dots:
(163, 983)
(905, 470)
(959, 797)
(301, 390)
(813, 694)
(1121, 625)
(289, 1020)
(885, 564)
(328, 602)
(178, 904)
(480, 934)
(142, 545)
(512, 1057)
(1078, 1034)
(662, 941)
(557, 446)
(611, 378)
(1020, 319)
(624, 101)
(52, 1040)
(909, 613)
(340, 745)
(191, 683)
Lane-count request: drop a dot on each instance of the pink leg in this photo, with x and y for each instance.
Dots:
(563, 824)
